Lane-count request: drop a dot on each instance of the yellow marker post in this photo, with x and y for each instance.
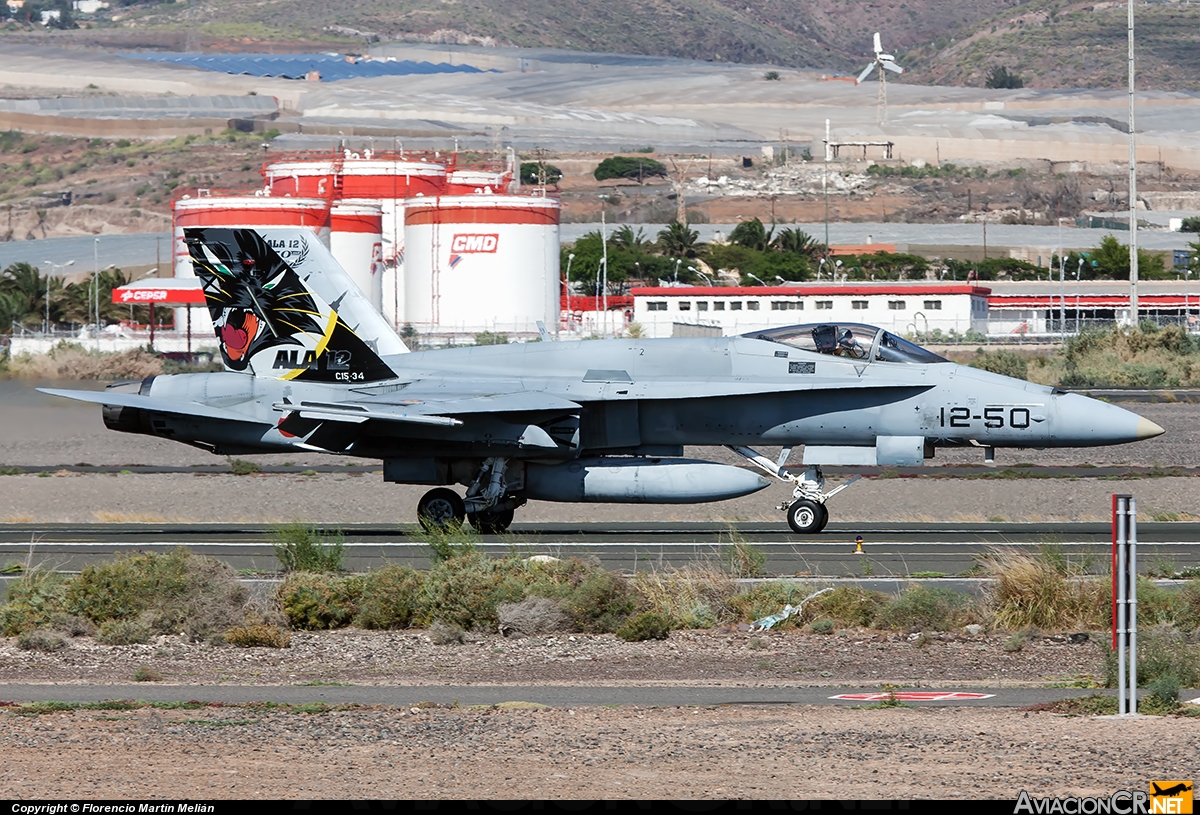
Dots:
(858, 545)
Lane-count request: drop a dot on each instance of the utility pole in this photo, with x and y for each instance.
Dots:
(1133, 227)
(678, 178)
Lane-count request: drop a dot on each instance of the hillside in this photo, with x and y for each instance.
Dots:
(1067, 45)
(1049, 43)
(820, 34)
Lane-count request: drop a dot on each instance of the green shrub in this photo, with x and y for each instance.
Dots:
(635, 168)
(848, 606)
(389, 598)
(822, 626)
(599, 602)
(258, 635)
(448, 543)
(920, 608)
(123, 632)
(302, 548)
(769, 598)
(171, 593)
(32, 601)
(145, 673)
(243, 467)
(41, 640)
(1005, 363)
(319, 601)
(648, 625)
(466, 590)
(1165, 661)
(72, 625)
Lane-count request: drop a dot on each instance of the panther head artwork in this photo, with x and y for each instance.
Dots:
(256, 299)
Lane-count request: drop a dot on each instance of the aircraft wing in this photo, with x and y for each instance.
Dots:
(135, 400)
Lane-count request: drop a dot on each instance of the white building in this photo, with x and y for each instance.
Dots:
(902, 308)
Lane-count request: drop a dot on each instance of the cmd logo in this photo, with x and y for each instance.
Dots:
(464, 244)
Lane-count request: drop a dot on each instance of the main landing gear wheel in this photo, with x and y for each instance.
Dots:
(807, 517)
(441, 510)
(491, 521)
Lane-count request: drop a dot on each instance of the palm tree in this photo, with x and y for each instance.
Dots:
(798, 242)
(678, 241)
(627, 239)
(752, 235)
(24, 290)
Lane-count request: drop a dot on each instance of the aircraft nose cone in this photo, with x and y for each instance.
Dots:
(1147, 429)
(1084, 422)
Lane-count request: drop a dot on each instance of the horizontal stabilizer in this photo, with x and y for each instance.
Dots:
(134, 400)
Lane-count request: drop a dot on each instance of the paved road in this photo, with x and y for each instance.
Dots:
(889, 550)
(555, 696)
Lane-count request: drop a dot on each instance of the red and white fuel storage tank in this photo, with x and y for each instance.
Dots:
(477, 182)
(356, 242)
(303, 178)
(389, 179)
(236, 211)
(481, 263)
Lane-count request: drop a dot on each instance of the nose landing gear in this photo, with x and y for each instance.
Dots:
(806, 512)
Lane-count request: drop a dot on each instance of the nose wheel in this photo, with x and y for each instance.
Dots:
(807, 517)
(441, 510)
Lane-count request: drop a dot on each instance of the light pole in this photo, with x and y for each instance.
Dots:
(1187, 308)
(1078, 271)
(820, 266)
(567, 286)
(756, 277)
(96, 286)
(56, 267)
(696, 271)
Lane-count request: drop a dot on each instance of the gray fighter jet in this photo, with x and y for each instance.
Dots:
(311, 366)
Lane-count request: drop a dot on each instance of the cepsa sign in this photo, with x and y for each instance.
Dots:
(143, 295)
(464, 244)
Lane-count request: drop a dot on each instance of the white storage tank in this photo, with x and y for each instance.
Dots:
(481, 263)
(237, 211)
(356, 242)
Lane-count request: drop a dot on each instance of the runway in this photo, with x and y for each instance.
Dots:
(890, 550)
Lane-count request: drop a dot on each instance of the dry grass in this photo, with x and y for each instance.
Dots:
(105, 516)
(693, 597)
(68, 361)
(1036, 591)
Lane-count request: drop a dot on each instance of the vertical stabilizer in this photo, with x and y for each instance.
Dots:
(284, 309)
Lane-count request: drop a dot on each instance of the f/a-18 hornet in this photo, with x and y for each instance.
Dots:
(310, 365)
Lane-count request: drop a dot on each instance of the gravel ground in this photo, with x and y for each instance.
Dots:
(524, 751)
(847, 658)
(591, 753)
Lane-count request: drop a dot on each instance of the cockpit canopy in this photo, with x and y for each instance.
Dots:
(853, 340)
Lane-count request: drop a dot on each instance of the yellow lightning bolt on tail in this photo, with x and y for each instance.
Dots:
(320, 349)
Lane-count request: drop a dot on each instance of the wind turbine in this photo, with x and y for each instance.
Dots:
(883, 62)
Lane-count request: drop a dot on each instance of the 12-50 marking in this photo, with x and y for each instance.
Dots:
(993, 417)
